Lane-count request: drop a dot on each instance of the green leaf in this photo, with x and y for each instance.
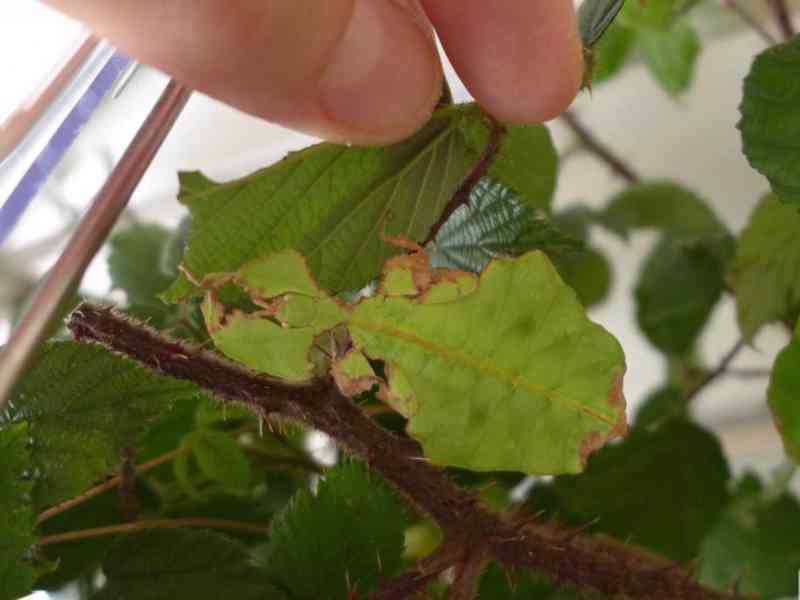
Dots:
(220, 458)
(612, 52)
(79, 558)
(83, 406)
(332, 203)
(662, 406)
(783, 397)
(496, 585)
(661, 205)
(588, 273)
(200, 565)
(765, 273)
(17, 519)
(654, 14)
(770, 123)
(660, 488)
(753, 548)
(350, 533)
(595, 17)
(679, 286)
(135, 264)
(495, 223)
(172, 251)
(542, 364)
(527, 162)
(670, 56)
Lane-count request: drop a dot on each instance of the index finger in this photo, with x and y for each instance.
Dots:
(520, 59)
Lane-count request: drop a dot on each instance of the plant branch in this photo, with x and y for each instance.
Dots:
(750, 373)
(603, 152)
(84, 534)
(717, 372)
(589, 563)
(750, 21)
(461, 197)
(106, 486)
(784, 19)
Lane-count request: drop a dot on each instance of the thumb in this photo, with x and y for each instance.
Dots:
(361, 71)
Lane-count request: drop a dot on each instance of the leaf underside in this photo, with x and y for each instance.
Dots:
(332, 203)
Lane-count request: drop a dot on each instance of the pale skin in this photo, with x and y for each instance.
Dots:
(358, 71)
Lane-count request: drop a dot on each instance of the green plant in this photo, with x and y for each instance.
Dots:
(424, 306)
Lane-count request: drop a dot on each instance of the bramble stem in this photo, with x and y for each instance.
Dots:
(587, 562)
(603, 152)
(85, 534)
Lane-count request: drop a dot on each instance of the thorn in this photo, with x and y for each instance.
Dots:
(380, 563)
(575, 533)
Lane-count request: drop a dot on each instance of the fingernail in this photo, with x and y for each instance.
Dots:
(384, 77)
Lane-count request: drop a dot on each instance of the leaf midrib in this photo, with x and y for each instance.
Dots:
(482, 366)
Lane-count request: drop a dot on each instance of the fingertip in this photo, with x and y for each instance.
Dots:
(521, 60)
(540, 94)
(384, 77)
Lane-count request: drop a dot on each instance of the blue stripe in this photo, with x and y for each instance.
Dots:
(56, 148)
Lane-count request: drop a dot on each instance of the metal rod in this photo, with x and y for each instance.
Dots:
(64, 278)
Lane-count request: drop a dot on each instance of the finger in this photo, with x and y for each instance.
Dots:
(520, 59)
(362, 71)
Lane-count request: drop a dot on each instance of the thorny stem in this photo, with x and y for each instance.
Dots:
(589, 563)
(106, 486)
(750, 20)
(603, 152)
(784, 19)
(84, 534)
(718, 371)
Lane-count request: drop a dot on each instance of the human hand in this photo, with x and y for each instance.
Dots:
(360, 71)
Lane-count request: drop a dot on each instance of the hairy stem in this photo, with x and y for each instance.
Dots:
(84, 534)
(617, 165)
(589, 563)
(105, 486)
